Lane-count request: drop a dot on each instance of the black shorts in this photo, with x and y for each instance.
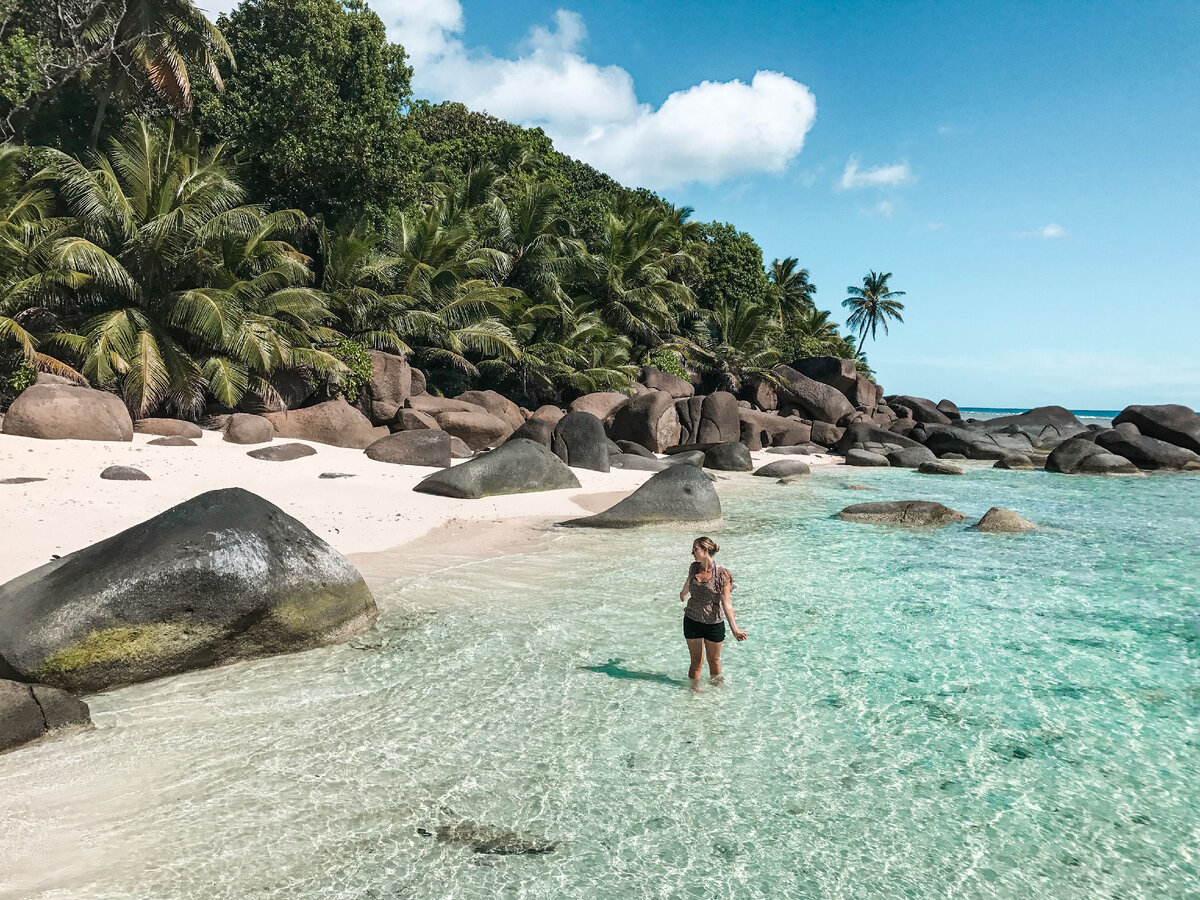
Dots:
(693, 630)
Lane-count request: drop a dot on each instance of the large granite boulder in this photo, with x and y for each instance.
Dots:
(1146, 452)
(1082, 456)
(435, 406)
(601, 404)
(939, 467)
(479, 429)
(389, 387)
(999, 520)
(1045, 427)
(334, 422)
(816, 401)
(949, 409)
(831, 370)
(580, 442)
(863, 394)
(923, 410)
(901, 512)
(516, 467)
(414, 420)
(535, 429)
(551, 413)
(650, 419)
(60, 411)
(1016, 462)
(168, 428)
(498, 405)
(730, 456)
(866, 459)
(783, 468)
(825, 434)
(976, 444)
(637, 463)
(246, 428)
(657, 380)
(422, 447)
(862, 434)
(223, 576)
(32, 711)
(1168, 422)
(711, 419)
(760, 394)
(798, 450)
(418, 382)
(763, 429)
(681, 495)
(911, 457)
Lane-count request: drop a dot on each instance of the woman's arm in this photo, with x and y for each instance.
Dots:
(727, 603)
(687, 587)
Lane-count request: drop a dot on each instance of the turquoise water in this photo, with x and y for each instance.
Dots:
(916, 714)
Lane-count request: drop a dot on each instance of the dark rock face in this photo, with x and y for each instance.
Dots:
(867, 459)
(798, 450)
(649, 419)
(770, 430)
(728, 457)
(678, 495)
(831, 370)
(999, 520)
(975, 444)
(817, 401)
(687, 458)
(478, 430)
(761, 395)
(516, 467)
(860, 433)
(168, 428)
(602, 404)
(57, 411)
(580, 442)
(1016, 462)
(1147, 452)
(498, 405)
(540, 430)
(414, 420)
(390, 385)
(637, 463)
(334, 422)
(901, 512)
(1035, 419)
(911, 458)
(124, 473)
(31, 711)
(950, 410)
(825, 434)
(658, 380)
(282, 452)
(720, 420)
(635, 448)
(412, 448)
(784, 468)
(924, 411)
(418, 382)
(936, 467)
(435, 406)
(173, 441)
(223, 576)
(1080, 455)
(1169, 422)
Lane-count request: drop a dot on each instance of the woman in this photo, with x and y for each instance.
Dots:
(707, 608)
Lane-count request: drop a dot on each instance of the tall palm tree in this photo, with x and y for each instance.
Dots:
(357, 274)
(791, 288)
(740, 343)
(872, 305)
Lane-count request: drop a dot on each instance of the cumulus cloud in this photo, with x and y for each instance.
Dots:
(853, 176)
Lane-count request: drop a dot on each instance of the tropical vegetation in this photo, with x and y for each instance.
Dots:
(190, 210)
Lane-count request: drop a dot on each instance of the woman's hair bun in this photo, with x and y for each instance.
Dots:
(707, 544)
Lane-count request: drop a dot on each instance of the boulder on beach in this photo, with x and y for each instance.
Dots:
(1146, 452)
(819, 402)
(282, 452)
(174, 440)
(999, 520)
(286, 389)
(1014, 461)
(911, 457)
(769, 430)
(516, 467)
(923, 410)
(32, 711)
(423, 447)
(834, 371)
(809, 449)
(334, 422)
(1082, 456)
(168, 428)
(720, 419)
(535, 429)
(64, 411)
(580, 442)
(635, 448)
(678, 495)
(784, 468)
(728, 457)
(413, 420)
(637, 463)
(866, 459)
(658, 380)
(1168, 422)
(601, 404)
(862, 433)
(459, 448)
(223, 576)
(650, 419)
(901, 512)
(245, 428)
(478, 430)
(389, 387)
(825, 434)
(124, 473)
(938, 467)
(498, 405)
(686, 458)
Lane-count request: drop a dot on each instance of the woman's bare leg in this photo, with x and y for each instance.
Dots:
(712, 649)
(696, 649)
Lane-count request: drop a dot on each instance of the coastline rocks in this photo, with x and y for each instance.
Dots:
(678, 495)
(459, 449)
(784, 468)
(168, 428)
(282, 452)
(1168, 422)
(730, 456)
(866, 459)
(635, 448)
(949, 409)
(124, 473)
(1014, 461)
(413, 420)
(831, 370)
(580, 442)
(686, 458)
(637, 463)
(602, 404)
(498, 405)
(825, 434)
(334, 422)
(246, 428)
(860, 434)
(798, 450)
(911, 458)
(435, 406)
(817, 401)
(516, 467)
(425, 447)
(923, 411)
(770, 430)
(901, 512)
(62, 411)
(478, 430)
(657, 380)
(649, 419)
(999, 520)
(1146, 452)
(172, 441)
(937, 467)
(1080, 455)
(32, 711)
(535, 429)
(388, 388)
(223, 576)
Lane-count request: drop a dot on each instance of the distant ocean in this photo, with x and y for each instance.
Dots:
(990, 412)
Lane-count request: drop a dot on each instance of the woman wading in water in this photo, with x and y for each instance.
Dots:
(708, 606)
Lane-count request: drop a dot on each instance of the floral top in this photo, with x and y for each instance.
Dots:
(704, 602)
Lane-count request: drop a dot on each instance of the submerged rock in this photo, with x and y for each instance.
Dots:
(937, 467)
(515, 467)
(1016, 462)
(490, 839)
(223, 576)
(678, 495)
(784, 468)
(999, 520)
(901, 512)
(32, 711)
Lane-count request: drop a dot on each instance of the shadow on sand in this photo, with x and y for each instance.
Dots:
(614, 669)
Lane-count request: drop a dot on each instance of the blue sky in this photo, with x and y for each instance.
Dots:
(1029, 172)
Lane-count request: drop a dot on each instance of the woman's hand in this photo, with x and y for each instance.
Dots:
(740, 635)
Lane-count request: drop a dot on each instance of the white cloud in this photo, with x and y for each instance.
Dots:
(877, 176)
(884, 209)
(1050, 232)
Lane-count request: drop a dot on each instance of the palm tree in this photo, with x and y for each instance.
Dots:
(792, 290)
(740, 343)
(872, 305)
(180, 289)
(357, 274)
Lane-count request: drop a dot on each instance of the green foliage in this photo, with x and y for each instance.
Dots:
(357, 361)
(16, 374)
(872, 305)
(732, 269)
(314, 107)
(666, 360)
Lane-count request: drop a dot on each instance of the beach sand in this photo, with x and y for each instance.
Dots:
(367, 517)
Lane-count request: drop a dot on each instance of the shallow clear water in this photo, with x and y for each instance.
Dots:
(916, 714)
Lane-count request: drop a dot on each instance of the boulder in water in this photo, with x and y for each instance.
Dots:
(901, 512)
(1168, 422)
(32, 711)
(489, 839)
(223, 576)
(1015, 461)
(681, 495)
(516, 467)
(784, 468)
(1082, 456)
(938, 467)
(999, 520)
(911, 457)
(866, 459)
